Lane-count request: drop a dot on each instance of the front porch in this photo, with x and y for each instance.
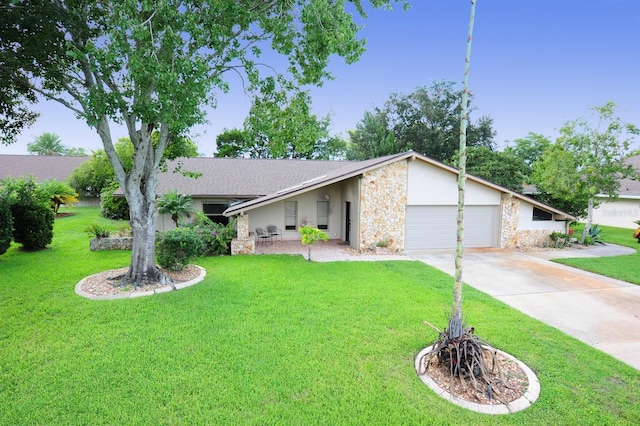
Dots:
(330, 251)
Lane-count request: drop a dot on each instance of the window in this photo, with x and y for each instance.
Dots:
(541, 214)
(323, 215)
(214, 212)
(290, 215)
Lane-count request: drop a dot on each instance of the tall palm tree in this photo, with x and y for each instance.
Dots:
(47, 144)
(176, 205)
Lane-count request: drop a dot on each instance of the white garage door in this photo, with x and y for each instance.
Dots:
(434, 227)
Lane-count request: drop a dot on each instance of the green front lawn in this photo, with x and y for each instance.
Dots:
(266, 340)
(619, 267)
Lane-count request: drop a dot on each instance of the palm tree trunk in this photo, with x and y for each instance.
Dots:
(455, 323)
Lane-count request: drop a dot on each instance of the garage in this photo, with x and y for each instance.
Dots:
(434, 227)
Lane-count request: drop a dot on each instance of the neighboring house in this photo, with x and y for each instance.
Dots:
(407, 200)
(42, 167)
(623, 211)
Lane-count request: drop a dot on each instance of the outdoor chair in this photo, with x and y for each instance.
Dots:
(262, 235)
(274, 231)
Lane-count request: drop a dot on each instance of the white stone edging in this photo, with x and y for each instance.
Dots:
(525, 401)
(130, 295)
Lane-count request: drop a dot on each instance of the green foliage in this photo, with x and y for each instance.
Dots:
(594, 236)
(498, 167)
(32, 215)
(6, 223)
(113, 207)
(231, 144)
(310, 235)
(46, 144)
(373, 138)
(281, 126)
(92, 177)
(59, 193)
(176, 205)
(216, 237)
(587, 159)
(177, 247)
(96, 230)
(426, 121)
(529, 149)
(559, 239)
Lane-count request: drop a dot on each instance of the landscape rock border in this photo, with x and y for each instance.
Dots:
(529, 397)
(128, 295)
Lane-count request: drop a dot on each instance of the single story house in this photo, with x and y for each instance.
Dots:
(407, 201)
(624, 210)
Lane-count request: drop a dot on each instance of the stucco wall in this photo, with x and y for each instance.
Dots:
(432, 186)
(621, 213)
(273, 214)
(383, 198)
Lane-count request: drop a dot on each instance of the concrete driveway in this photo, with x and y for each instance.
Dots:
(600, 311)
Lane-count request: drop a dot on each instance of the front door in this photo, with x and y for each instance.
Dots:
(347, 224)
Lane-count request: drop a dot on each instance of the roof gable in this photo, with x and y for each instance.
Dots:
(350, 170)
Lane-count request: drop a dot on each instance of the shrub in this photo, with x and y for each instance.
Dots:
(114, 207)
(559, 239)
(6, 224)
(96, 230)
(216, 237)
(176, 247)
(32, 216)
(594, 236)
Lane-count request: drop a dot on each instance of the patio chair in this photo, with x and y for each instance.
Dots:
(274, 231)
(262, 235)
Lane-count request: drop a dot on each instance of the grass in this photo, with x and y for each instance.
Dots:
(266, 340)
(619, 267)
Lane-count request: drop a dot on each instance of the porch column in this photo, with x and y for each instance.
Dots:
(243, 243)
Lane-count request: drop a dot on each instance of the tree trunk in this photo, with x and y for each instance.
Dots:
(587, 226)
(456, 320)
(139, 187)
(143, 224)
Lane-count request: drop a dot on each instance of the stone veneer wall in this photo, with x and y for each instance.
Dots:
(243, 243)
(510, 217)
(109, 243)
(510, 236)
(383, 199)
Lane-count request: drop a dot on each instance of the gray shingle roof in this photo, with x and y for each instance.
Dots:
(241, 177)
(42, 167)
(358, 167)
(630, 187)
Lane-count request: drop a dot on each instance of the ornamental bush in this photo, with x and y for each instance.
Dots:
(112, 207)
(6, 224)
(216, 237)
(176, 247)
(32, 215)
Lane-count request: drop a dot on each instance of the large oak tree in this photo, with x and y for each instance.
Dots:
(155, 64)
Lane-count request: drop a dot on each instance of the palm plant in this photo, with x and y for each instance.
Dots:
(176, 205)
(59, 193)
(47, 144)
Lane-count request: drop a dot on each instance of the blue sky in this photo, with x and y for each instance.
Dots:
(534, 65)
